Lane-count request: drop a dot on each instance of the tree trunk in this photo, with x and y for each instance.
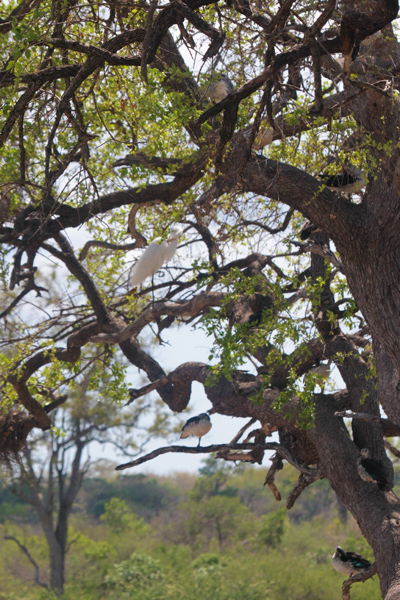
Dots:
(377, 513)
(57, 559)
(57, 565)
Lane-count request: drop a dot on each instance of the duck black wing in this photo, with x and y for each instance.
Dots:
(375, 470)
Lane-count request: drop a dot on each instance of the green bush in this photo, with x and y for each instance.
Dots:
(139, 570)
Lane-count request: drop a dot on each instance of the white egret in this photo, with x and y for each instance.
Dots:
(155, 255)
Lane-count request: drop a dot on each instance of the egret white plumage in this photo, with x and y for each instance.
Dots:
(349, 563)
(155, 255)
(197, 426)
(220, 89)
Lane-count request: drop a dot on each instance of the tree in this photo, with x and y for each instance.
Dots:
(50, 472)
(105, 113)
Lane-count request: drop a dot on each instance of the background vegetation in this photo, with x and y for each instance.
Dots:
(218, 535)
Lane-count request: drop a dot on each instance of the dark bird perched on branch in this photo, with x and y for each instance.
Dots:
(220, 89)
(350, 180)
(256, 318)
(197, 426)
(372, 471)
(307, 229)
(349, 563)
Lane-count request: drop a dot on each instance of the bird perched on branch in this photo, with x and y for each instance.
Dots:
(307, 229)
(350, 180)
(155, 255)
(372, 470)
(220, 89)
(321, 369)
(264, 138)
(197, 427)
(349, 563)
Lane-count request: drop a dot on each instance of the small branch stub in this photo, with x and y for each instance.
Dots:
(367, 574)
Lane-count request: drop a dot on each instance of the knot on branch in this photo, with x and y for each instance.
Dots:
(14, 429)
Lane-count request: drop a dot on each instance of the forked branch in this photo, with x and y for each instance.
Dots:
(30, 558)
(367, 574)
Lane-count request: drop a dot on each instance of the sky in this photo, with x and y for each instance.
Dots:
(182, 344)
(185, 345)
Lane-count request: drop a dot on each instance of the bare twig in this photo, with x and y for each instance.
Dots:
(147, 39)
(242, 430)
(30, 558)
(177, 309)
(97, 244)
(137, 393)
(277, 465)
(346, 414)
(303, 482)
(395, 451)
(140, 158)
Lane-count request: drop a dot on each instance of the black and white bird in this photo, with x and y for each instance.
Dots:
(322, 370)
(350, 180)
(349, 563)
(372, 470)
(307, 229)
(197, 427)
(220, 89)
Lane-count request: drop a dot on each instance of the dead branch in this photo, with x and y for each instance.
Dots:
(395, 451)
(97, 244)
(177, 309)
(137, 393)
(277, 465)
(303, 482)
(390, 429)
(30, 558)
(320, 250)
(218, 448)
(192, 450)
(367, 574)
(242, 430)
(147, 38)
(140, 158)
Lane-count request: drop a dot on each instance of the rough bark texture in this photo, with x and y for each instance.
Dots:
(366, 235)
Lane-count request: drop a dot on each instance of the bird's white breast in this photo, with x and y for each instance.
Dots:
(321, 370)
(219, 90)
(197, 429)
